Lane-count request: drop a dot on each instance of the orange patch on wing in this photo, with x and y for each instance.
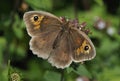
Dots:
(38, 22)
(36, 27)
(81, 48)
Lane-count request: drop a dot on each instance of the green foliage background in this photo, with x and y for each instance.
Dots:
(15, 56)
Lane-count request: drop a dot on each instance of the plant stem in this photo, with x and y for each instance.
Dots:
(62, 75)
(75, 8)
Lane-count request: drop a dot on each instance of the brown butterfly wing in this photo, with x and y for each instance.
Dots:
(42, 45)
(81, 46)
(61, 54)
(45, 22)
(43, 32)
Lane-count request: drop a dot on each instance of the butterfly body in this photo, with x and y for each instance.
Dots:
(58, 40)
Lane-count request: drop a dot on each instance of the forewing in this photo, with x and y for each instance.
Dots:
(43, 27)
(44, 22)
(61, 55)
(81, 46)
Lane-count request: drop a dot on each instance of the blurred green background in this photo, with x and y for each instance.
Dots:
(17, 63)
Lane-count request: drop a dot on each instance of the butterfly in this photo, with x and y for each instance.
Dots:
(58, 40)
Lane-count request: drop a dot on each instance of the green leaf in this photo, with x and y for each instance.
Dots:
(40, 4)
(109, 74)
(69, 69)
(52, 76)
(81, 70)
(1, 57)
(2, 47)
(18, 32)
(108, 47)
(99, 2)
(6, 23)
(4, 74)
(21, 51)
(12, 47)
(2, 42)
(35, 71)
(17, 27)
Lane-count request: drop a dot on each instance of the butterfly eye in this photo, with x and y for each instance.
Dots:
(35, 18)
(86, 48)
